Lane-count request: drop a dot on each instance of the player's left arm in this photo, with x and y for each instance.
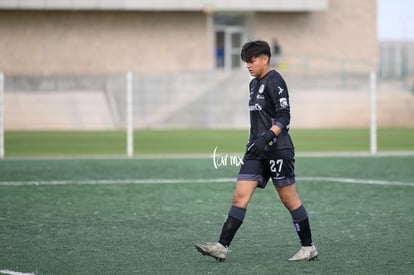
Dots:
(280, 100)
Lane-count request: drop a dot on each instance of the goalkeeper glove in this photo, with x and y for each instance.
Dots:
(256, 148)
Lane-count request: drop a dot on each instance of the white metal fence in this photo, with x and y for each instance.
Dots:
(397, 61)
(192, 100)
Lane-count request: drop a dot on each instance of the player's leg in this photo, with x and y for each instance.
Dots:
(247, 182)
(241, 198)
(250, 177)
(235, 217)
(300, 219)
(288, 196)
(282, 170)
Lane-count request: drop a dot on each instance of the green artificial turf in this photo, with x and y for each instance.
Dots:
(201, 141)
(85, 216)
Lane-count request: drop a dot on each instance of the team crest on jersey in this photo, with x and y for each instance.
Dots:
(283, 102)
(261, 89)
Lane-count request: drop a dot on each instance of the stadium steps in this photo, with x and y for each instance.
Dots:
(324, 102)
(57, 110)
(222, 105)
(199, 100)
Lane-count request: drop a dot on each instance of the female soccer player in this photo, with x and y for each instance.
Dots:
(269, 154)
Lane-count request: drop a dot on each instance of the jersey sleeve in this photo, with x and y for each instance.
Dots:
(280, 99)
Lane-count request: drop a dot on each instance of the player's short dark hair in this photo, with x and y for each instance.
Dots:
(254, 49)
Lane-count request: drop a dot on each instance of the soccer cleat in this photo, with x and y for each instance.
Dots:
(306, 253)
(215, 250)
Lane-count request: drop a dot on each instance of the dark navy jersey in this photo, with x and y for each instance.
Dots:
(269, 105)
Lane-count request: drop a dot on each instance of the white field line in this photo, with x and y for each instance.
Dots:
(208, 180)
(10, 272)
(357, 181)
(126, 181)
(408, 153)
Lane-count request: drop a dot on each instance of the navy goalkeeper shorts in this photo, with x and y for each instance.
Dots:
(278, 165)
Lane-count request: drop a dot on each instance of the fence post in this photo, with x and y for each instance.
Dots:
(129, 114)
(1, 115)
(373, 123)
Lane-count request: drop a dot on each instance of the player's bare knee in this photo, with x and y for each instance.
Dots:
(240, 200)
(291, 204)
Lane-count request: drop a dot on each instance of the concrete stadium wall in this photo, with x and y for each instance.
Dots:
(344, 36)
(66, 42)
(200, 100)
(169, 53)
(107, 42)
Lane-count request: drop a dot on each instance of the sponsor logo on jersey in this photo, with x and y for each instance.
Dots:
(283, 102)
(280, 89)
(255, 107)
(260, 96)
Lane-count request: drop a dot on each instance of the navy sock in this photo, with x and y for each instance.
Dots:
(302, 227)
(232, 223)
